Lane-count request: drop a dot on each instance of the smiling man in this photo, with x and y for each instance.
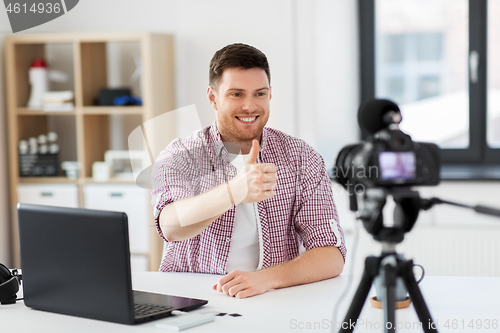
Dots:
(244, 200)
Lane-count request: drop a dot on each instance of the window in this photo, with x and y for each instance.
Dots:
(493, 92)
(439, 60)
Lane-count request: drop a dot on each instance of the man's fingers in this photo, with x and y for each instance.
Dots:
(268, 167)
(261, 178)
(270, 178)
(257, 187)
(268, 186)
(269, 194)
(234, 290)
(226, 287)
(254, 152)
(244, 293)
(225, 279)
(264, 169)
(244, 284)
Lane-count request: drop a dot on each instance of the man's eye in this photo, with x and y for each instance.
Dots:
(236, 94)
(261, 94)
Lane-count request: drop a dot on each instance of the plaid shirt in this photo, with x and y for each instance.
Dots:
(301, 211)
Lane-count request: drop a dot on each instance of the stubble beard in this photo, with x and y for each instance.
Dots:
(231, 134)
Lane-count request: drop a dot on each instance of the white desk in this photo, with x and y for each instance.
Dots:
(306, 308)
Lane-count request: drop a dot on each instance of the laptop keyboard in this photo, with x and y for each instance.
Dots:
(141, 310)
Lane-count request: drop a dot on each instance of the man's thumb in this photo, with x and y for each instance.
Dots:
(254, 152)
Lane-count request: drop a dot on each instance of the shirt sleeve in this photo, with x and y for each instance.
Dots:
(317, 220)
(172, 179)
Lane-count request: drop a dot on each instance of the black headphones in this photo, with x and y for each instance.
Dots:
(9, 285)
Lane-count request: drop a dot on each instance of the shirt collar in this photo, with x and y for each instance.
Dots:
(215, 139)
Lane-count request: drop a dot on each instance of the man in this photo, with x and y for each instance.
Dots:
(238, 198)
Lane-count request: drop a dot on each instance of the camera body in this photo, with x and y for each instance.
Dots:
(389, 158)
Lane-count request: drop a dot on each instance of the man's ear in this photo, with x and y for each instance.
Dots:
(270, 92)
(212, 99)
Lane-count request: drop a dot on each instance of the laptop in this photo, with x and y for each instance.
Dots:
(77, 262)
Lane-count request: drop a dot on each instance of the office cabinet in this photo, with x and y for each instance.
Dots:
(63, 195)
(87, 131)
(131, 200)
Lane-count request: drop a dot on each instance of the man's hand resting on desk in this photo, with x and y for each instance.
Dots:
(243, 284)
(313, 265)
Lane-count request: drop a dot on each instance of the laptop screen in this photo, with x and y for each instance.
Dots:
(76, 262)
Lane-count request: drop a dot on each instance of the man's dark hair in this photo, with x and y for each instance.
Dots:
(236, 56)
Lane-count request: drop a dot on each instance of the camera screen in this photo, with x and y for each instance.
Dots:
(397, 165)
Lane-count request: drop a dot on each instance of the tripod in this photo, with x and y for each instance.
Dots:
(389, 266)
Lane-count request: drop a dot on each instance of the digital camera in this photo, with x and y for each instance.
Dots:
(389, 157)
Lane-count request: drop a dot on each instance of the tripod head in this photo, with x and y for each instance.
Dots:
(405, 214)
(408, 206)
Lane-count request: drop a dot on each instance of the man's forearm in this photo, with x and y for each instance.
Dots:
(188, 217)
(314, 265)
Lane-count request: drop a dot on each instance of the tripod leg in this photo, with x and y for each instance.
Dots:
(352, 315)
(390, 299)
(416, 296)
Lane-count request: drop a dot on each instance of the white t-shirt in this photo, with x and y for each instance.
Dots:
(244, 249)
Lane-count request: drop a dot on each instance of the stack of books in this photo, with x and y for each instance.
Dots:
(58, 101)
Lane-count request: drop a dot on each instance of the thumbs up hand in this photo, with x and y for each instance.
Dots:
(254, 153)
(255, 182)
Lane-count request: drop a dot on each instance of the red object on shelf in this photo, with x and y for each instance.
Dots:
(39, 62)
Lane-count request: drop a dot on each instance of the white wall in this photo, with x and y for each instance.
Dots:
(446, 240)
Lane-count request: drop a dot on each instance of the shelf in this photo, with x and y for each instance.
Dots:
(46, 180)
(97, 110)
(80, 37)
(40, 112)
(64, 180)
(61, 56)
(106, 110)
(110, 181)
(93, 61)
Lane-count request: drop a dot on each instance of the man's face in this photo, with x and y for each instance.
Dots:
(241, 104)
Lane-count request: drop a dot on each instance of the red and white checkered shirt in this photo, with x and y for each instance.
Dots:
(301, 211)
